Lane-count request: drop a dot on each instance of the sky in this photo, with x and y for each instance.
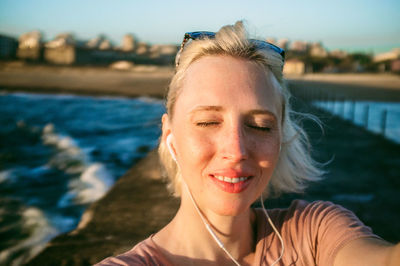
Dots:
(371, 26)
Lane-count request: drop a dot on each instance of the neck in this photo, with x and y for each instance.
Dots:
(191, 238)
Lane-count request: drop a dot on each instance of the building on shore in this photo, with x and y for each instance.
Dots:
(317, 50)
(388, 61)
(100, 42)
(61, 50)
(340, 54)
(65, 50)
(8, 47)
(388, 56)
(128, 43)
(294, 67)
(299, 48)
(142, 48)
(30, 46)
(163, 53)
(395, 66)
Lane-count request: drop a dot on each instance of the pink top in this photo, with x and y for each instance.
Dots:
(312, 235)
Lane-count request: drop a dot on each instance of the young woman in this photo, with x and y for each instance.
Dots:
(228, 139)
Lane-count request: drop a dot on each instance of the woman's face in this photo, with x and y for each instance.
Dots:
(226, 132)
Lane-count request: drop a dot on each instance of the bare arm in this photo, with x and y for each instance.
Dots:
(368, 251)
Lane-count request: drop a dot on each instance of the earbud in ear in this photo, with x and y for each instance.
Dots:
(171, 151)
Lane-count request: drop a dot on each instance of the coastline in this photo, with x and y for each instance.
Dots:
(149, 81)
(152, 81)
(137, 206)
(389, 81)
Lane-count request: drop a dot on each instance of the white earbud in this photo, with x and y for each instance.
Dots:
(171, 151)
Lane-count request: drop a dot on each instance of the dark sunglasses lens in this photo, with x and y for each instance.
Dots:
(195, 35)
(200, 34)
(263, 45)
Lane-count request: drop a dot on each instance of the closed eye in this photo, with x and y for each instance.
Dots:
(265, 129)
(206, 124)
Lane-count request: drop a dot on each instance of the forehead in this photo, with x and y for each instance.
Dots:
(229, 82)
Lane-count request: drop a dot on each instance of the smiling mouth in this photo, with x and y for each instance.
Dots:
(231, 184)
(231, 180)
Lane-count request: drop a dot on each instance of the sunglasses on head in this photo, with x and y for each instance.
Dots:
(196, 35)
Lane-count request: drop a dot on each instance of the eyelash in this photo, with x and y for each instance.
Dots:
(213, 123)
(264, 129)
(205, 124)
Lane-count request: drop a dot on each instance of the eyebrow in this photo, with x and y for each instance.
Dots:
(220, 108)
(207, 108)
(262, 112)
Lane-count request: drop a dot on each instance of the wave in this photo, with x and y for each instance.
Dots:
(40, 231)
(69, 158)
(5, 175)
(92, 184)
(28, 95)
(147, 99)
(58, 169)
(87, 182)
(93, 180)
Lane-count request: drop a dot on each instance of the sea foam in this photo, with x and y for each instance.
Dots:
(92, 184)
(40, 232)
(92, 179)
(5, 175)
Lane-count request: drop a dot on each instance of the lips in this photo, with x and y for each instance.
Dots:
(231, 181)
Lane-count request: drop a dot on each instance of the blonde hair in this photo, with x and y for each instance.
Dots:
(295, 166)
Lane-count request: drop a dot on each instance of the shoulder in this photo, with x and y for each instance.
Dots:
(313, 232)
(316, 213)
(323, 223)
(144, 253)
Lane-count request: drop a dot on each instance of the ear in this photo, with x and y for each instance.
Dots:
(167, 136)
(166, 127)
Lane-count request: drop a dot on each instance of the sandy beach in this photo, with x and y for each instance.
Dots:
(152, 81)
(388, 81)
(140, 81)
(139, 204)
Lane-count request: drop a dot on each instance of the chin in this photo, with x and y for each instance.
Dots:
(230, 208)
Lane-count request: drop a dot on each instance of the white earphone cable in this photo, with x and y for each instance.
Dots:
(209, 229)
(275, 230)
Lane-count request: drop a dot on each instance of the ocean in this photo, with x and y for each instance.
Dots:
(58, 154)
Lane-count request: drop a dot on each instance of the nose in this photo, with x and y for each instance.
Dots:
(234, 145)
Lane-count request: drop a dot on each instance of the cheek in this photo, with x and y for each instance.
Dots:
(267, 154)
(195, 149)
(195, 156)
